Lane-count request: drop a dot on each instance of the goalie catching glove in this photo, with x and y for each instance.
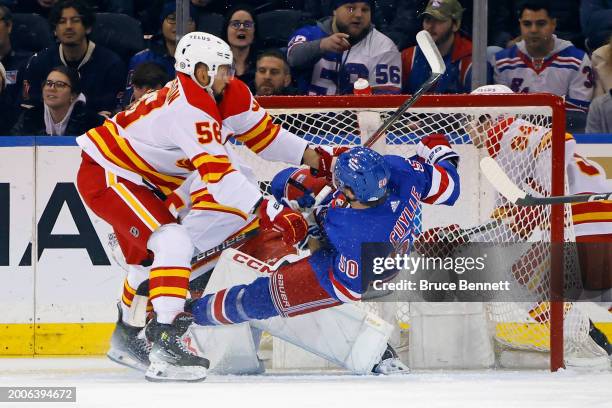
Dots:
(439, 242)
(290, 223)
(435, 148)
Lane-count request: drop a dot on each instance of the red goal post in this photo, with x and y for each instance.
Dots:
(447, 111)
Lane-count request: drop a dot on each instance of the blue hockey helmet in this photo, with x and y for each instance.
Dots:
(364, 171)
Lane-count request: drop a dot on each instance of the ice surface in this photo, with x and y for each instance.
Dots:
(101, 383)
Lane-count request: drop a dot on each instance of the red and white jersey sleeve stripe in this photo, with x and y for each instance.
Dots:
(253, 126)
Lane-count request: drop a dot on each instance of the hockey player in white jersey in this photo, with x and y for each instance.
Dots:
(527, 148)
(154, 147)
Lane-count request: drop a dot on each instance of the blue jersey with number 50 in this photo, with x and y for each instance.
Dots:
(374, 58)
(338, 264)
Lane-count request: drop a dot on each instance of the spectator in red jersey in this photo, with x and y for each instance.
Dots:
(442, 19)
(62, 112)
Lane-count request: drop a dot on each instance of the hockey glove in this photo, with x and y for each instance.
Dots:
(326, 162)
(435, 148)
(290, 223)
(439, 242)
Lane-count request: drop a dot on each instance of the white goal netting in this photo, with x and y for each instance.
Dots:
(519, 137)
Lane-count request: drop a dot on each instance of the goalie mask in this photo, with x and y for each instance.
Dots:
(198, 47)
(486, 128)
(364, 171)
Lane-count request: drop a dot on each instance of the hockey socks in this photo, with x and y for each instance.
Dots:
(235, 305)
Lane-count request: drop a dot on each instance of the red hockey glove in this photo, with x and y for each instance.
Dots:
(435, 148)
(439, 241)
(326, 161)
(290, 223)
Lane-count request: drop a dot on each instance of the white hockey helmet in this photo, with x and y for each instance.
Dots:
(202, 47)
(492, 89)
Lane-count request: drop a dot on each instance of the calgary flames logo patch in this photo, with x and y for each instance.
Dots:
(185, 164)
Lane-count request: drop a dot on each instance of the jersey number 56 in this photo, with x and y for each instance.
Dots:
(206, 131)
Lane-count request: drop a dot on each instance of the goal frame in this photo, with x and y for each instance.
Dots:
(553, 102)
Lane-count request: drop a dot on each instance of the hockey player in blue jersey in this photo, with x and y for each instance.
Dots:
(376, 199)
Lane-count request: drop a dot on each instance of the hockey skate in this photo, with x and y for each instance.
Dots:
(171, 358)
(390, 363)
(127, 347)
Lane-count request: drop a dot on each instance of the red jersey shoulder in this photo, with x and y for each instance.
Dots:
(197, 97)
(236, 99)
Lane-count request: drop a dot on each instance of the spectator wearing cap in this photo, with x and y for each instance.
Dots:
(541, 62)
(14, 62)
(273, 76)
(239, 31)
(162, 48)
(101, 70)
(62, 112)
(331, 55)
(442, 19)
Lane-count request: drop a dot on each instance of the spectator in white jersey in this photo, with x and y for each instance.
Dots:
(541, 62)
(330, 56)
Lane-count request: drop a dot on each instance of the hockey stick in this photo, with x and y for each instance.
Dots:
(506, 187)
(224, 245)
(209, 253)
(434, 59)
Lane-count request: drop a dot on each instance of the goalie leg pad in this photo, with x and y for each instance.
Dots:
(344, 335)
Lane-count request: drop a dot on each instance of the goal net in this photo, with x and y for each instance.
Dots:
(525, 134)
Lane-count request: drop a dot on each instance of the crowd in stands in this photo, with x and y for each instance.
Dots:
(73, 62)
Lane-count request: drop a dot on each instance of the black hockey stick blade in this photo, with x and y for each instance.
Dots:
(506, 187)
